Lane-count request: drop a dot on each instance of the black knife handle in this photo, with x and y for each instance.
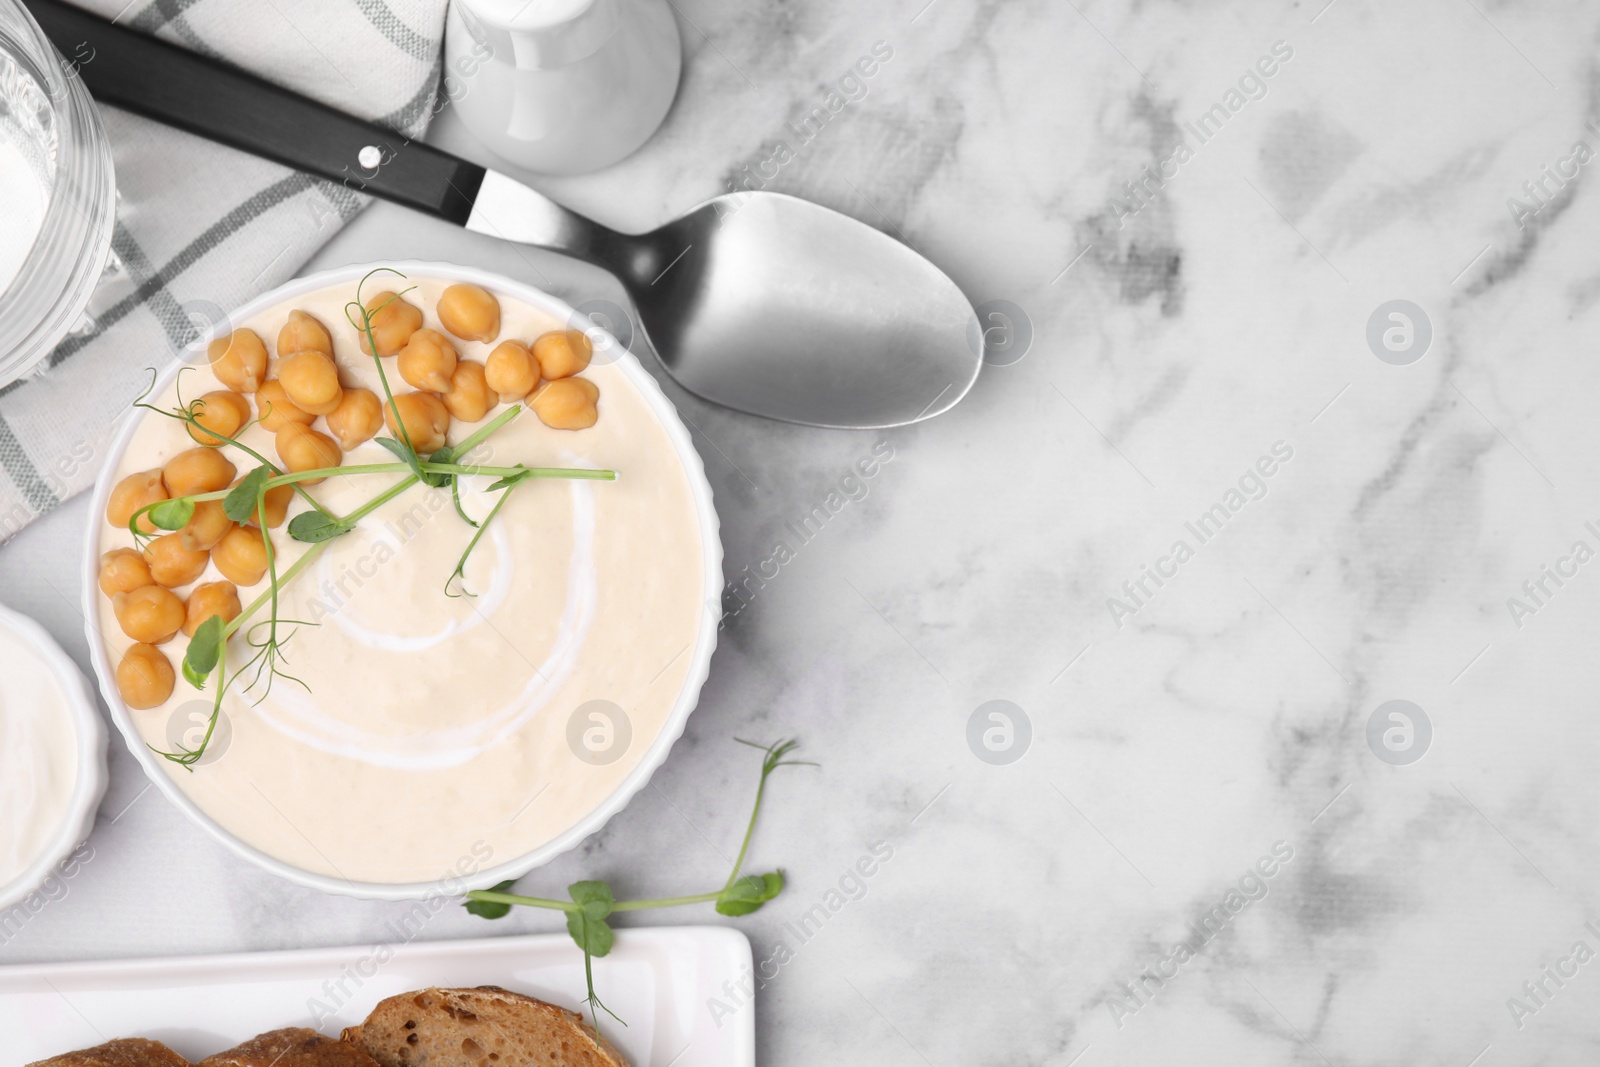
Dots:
(212, 99)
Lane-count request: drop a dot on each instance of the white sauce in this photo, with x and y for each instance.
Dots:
(429, 723)
(38, 755)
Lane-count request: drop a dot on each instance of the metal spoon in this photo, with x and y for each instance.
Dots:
(757, 301)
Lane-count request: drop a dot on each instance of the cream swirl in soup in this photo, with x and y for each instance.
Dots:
(424, 729)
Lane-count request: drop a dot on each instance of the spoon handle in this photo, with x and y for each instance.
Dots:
(508, 209)
(206, 97)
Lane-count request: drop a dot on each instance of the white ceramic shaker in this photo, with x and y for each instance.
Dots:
(562, 86)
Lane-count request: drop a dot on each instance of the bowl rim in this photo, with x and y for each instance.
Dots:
(90, 787)
(654, 756)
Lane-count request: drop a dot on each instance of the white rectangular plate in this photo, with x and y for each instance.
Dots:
(659, 979)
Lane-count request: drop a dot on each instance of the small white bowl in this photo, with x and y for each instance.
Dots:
(672, 729)
(91, 752)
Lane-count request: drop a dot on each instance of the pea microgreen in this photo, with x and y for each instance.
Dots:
(366, 327)
(207, 657)
(313, 527)
(240, 503)
(491, 909)
(172, 514)
(188, 413)
(409, 457)
(205, 649)
(447, 454)
(459, 576)
(592, 904)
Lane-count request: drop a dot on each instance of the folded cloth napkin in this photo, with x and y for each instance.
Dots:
(202, 228)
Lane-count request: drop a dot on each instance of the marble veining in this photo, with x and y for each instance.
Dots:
(1171, 339)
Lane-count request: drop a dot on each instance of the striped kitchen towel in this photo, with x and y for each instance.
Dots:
(202, 228)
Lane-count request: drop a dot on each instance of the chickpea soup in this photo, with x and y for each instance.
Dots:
(408, 716)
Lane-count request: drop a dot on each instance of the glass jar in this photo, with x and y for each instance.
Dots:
(57, 190)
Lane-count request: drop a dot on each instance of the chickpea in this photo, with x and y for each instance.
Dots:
(470, 312)
(199, 470)
(276, 409)
(427, 361)
(303, 333)
(205, 527)
(357, 418)
(241, 556)
(145, 677)
(278, 498)
(511, 370)
(171, 564)
(469, 398)
(132, 493)
(563, 353)
(304, 449)
(222, 412)
(311, 381)
(394, 320)
(212, 598)
(239, 360)
(567, 404)
(151, 613)
(123, 570)
(425, 417)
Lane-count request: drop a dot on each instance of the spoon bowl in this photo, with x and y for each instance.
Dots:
(780, 307)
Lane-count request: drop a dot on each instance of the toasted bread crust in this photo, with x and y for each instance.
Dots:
(482, 1027)
(123, 1052)
(293, 1046)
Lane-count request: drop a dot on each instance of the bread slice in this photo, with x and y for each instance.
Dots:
(292, 1047)
(123, 1052)
(483, 1027)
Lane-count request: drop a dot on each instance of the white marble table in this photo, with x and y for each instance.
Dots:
(1030, 909)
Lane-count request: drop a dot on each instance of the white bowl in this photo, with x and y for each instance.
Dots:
(672, 729)
(91, 735)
